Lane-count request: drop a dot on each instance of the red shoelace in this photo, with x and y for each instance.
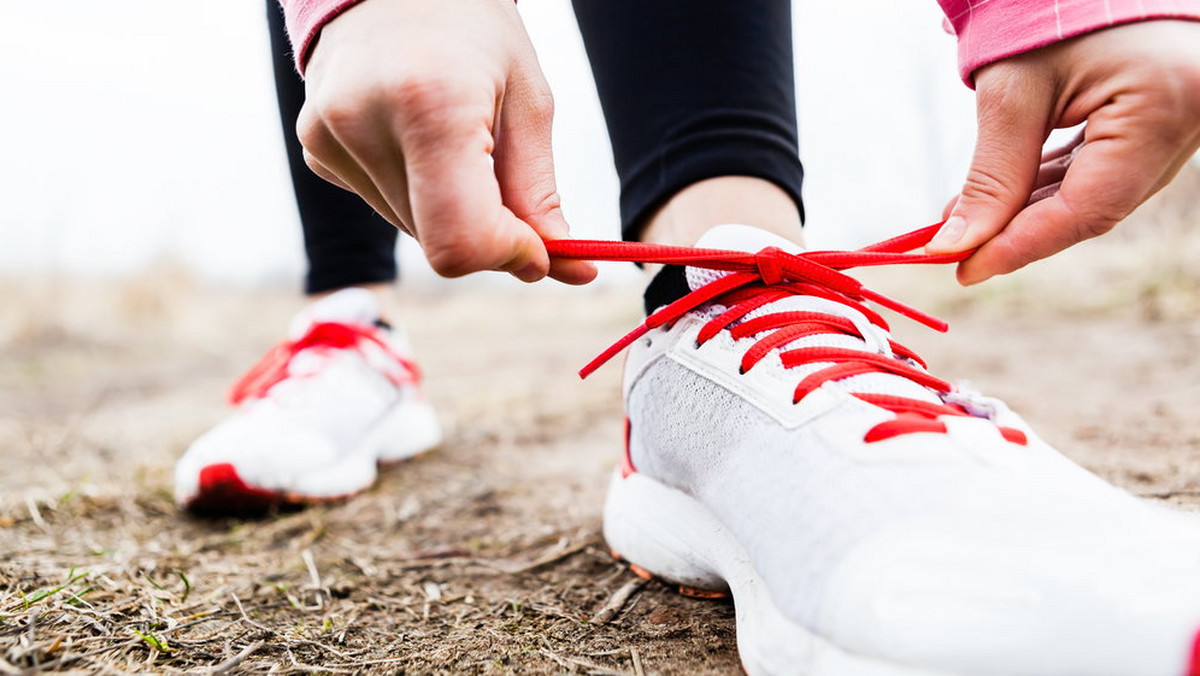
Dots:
(273, 367)
(757, 279)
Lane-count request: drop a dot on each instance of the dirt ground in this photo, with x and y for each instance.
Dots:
(483, 556)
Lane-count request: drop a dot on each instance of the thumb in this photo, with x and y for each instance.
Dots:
(1013, 111)
(524, 165)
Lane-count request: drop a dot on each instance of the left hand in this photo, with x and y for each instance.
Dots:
(1137, 87)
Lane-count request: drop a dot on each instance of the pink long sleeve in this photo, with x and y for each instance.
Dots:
(990, 30)
(987, 30)
(304, 21)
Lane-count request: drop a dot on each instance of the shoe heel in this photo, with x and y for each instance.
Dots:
(411, 429)
(663, 533)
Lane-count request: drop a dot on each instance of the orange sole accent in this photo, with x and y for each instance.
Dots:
(684, 590)
(694, 593)
(641, 572)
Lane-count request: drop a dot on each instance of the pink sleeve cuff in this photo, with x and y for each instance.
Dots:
(990, 30)
(305, 18)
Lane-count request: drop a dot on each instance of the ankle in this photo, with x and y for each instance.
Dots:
(384, 293)
(691, 212)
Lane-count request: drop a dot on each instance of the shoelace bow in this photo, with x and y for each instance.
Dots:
(758, 279)
(273, 367)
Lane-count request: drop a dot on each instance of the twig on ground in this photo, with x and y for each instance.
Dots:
(546, 560)
(612, 607)
(637, 662)
(572, 663)
(299, 666)
(35, 514)
(237, 659)
(288, 639)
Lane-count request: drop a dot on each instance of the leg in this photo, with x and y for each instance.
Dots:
(701, 110)
(347, 243)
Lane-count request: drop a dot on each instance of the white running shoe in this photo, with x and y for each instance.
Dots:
(865, 516)
(314, 417)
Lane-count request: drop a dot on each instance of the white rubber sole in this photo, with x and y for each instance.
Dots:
(673, 536)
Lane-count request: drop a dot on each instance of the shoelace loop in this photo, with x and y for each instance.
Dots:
(758, 279)
(273, 367)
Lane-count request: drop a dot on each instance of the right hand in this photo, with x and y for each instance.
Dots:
(438, 115)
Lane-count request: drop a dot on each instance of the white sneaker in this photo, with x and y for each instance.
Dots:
(315, 417)
(866, 517)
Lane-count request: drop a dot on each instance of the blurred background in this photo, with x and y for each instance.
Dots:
(138, 133)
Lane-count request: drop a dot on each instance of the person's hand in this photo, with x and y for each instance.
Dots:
(1137, 86)
(437, 114)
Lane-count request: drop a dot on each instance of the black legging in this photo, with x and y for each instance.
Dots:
(693, 89)
(690, 90)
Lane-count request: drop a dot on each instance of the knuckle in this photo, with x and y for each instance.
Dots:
(986, 184)
(1094, 227)
(311, 131)
(541, 104)
(550, 202)
(338, 113)
(313, 163)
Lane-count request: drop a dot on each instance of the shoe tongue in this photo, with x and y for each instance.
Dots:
(348, 306)
(752, 240)
(734, 237)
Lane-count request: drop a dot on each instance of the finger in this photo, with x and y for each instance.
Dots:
(461, 221)
(1054, 168)
(1013, 118)
(359, 183)
(324, 172)
(524, 166)
(1067, 148)
(338, 166)
(1109, 177)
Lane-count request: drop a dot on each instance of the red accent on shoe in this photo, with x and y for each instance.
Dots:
(221, 490)
(903, 425)
(273, 367)
(758, 279)
(1014, 435)
(1194, 667)
(626, 459)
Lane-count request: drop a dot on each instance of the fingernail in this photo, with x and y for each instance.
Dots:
(951, 232)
